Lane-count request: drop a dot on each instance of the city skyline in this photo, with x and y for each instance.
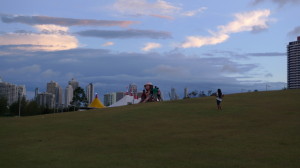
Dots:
(173, 44)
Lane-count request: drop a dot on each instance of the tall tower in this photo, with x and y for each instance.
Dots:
(56, 90)
(185, 93)
(293, 51)
(90, 92)
(74, 84)
(68, 95)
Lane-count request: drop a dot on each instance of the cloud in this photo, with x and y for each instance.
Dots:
(24, 70)
(123, 34)
(51, 28)
(109, 43)
(269, 75)
(199, 41)
(142, 8)
(49, 73)
(247, 21)
(151, 46)
(295, 32)
(194, 12)
(46, 42)
(68, 60)
(166, 70)
(49, 38)
(280, 2)
(42, 20)
(266, 54)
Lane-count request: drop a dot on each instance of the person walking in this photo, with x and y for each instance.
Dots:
(219, 99)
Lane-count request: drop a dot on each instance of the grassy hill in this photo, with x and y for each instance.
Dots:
(260, 130)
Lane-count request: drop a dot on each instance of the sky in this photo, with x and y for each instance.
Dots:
(237, 45)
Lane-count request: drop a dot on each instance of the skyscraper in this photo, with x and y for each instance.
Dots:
(68, 95)
(293, 51)
(56, 90)
(74, 84)
(11, 91)
(90, 92)
(46, 99)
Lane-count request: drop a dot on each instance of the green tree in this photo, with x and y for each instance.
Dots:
(3, 106)
(14, 108)
(32, 108)
(79, 98)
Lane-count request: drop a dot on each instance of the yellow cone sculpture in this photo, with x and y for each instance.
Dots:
(96, 103)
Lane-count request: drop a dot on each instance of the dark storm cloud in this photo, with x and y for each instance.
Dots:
(295, 32)
(122, 34)
(35, 20)
(280, 2)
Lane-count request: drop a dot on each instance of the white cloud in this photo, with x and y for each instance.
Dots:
(194, 12)
(142, 7)
(45, 42)
(51, 28)
(150, 46)
(199, 41)
(109, 43)
(247, 21)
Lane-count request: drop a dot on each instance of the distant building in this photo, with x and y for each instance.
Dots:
(46, 100)
(90, 93)
(173, 95)
(119, 95)
(74, 84)
(186, 93)
(36, 92)
(293, 51)
(11, 91)
(109, 99)
(55, 89)
(68, 95)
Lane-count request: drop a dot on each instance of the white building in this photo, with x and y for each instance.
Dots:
(46, 100)
(90, 93)
(74, 84)
(110, 99)
(68, 95)
(11, 91)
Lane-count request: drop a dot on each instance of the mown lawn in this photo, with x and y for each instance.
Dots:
(257, 130)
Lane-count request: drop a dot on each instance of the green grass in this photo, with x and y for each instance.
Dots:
(259, 130)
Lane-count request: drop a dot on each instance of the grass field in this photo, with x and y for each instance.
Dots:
(259, 130)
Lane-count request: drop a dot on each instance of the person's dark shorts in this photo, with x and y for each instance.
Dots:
(218, 102)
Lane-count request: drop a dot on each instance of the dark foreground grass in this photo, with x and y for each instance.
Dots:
(259, 130)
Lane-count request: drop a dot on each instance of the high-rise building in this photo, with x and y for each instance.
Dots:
(74, 84)
(55, 89)
(90, 92)
(173, 95)
(46, 99)
(119, 95)
(293, 51)
(186, 93)
(109, 99)
(36, 92)
(11, 91)
(68, 95)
